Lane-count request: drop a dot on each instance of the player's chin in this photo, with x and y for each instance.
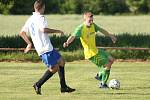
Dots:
(90, 23)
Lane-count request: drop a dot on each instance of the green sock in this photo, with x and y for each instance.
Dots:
(100, 72)
(100, 75)
(105, 76)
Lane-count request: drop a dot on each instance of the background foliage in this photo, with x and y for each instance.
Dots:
(130, 24)
(77, 6)
(124, 40)
(75, 51)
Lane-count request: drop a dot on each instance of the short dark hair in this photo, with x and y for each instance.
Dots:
(38, 4)
(87, 13)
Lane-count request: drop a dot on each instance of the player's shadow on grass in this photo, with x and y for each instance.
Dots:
(129, 89)
(125, 93)
(115, 93)
(134, 88)
(121, 91)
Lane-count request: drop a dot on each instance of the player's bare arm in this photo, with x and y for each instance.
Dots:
(48, 30)
(114, 39)
(69, 40)
(26, 39)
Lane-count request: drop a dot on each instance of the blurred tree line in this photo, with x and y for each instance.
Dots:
(77, 6)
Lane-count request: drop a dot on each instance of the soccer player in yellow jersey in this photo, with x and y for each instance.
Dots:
(87, 33)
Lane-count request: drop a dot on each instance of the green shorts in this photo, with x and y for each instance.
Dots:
(101, 58)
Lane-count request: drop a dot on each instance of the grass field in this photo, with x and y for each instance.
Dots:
(11, 25)
(16, 80)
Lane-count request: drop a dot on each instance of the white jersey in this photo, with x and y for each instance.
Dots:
(40, 40)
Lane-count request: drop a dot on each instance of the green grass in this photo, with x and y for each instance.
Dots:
(11, 25)
(16, 81)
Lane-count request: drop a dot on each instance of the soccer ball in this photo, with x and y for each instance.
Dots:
(114, 84)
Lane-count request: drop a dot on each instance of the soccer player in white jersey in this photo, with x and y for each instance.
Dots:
(37, 26)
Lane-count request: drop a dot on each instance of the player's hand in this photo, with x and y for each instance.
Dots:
(65, 44)
(28, 48)
(114, 39)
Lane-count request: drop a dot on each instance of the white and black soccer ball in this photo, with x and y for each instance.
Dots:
(114, 84)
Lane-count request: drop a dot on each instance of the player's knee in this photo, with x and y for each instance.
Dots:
(111, 60)
(54, 69)
(61, 62)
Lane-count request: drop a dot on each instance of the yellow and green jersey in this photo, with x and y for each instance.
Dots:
(87, 38)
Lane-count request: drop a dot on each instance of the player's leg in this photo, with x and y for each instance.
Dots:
(61, 72)
(98, 59)
(110, 62)
(48, 74)
(52, 65)
(99, 74)
(106, 69)
(104, 61)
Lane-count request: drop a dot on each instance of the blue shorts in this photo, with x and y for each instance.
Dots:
(50, 58)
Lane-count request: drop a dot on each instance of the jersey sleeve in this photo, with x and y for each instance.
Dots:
(25, 28)
(97, 28)
(77, 32)
(43, 22)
